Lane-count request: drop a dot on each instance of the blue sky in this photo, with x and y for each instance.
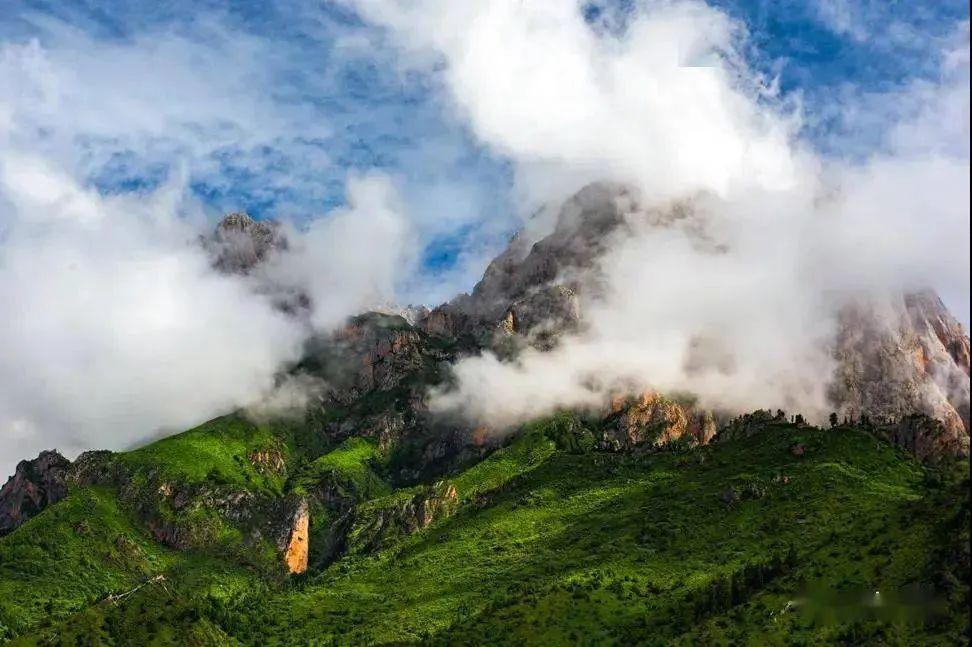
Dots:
(355, 111)
(271, 108)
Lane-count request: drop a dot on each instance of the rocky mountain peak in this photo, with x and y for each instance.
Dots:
(582, 229)
(929, 315)
(911, 360)
(34, 485)
(531, 289)
(240, 242)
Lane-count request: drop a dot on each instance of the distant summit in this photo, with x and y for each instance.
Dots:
(239, 242)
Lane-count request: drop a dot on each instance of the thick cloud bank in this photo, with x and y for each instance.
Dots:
(661, 98)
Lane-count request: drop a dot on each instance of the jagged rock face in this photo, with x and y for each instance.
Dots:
(926, 438)
(170, 509)
(94, 467)
(241, 245)
(378, 370)
(540, 317)
(372, 352)
(268, 461)
(930, 317)
(383, 354)
(533, 289)
(387, 427)
(240, 242)
(34, 485)
(444, 321)
(582, 232)
(940, 338)
(909, 358)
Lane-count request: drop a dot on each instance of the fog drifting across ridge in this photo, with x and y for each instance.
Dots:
(662, 99)
(117, 325)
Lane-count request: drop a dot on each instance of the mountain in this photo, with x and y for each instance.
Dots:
(754, 537)
(892, 359)
(240, 243)
(370, 518)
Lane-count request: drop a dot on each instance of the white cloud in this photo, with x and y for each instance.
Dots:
(353, 259)
(662, 106)
(840, 17)
(668, 105)
(119, 327)
(129, 108)
(116, 326)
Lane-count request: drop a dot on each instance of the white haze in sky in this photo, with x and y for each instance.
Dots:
(667, 105)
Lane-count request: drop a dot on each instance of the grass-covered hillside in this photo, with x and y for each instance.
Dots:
(792, 535)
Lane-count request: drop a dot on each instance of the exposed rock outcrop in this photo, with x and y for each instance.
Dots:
(242, 245)
(268, 461)
(378, 369)
(34, 485)
(925, 437)
(540, 317)
(298, 542)
(893, 359)
(96, 467)
(191, 515)
(372, 352)
(652, 420)
(532, 287)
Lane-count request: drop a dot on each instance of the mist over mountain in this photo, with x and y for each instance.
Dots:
(591, 323)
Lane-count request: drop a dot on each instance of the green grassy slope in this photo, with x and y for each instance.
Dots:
(74, 553)
(216, 451)
(350, 467)
(85, 549)
(617, 549)
(555, 544)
